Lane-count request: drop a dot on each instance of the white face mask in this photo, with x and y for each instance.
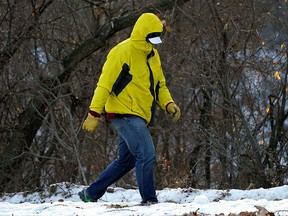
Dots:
(155, 40)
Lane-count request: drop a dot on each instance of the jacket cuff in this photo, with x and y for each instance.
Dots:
(95, 114)
(167, 106)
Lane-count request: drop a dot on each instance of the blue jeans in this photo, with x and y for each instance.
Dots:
(136, 149)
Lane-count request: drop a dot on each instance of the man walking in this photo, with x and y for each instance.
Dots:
(131, 82)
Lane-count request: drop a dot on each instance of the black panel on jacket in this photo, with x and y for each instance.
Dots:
(123, 79)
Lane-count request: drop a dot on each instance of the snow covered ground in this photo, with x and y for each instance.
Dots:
(62, 199)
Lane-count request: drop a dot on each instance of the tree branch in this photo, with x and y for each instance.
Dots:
(106, 31)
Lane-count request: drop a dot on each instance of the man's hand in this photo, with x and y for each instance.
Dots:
(173, 109)
(90, 123)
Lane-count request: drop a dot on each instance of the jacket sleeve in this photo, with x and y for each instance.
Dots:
(163, 96)
(99, 99)
(110, 71)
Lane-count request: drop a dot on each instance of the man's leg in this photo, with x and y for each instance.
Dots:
(139, 141)
(117, 169)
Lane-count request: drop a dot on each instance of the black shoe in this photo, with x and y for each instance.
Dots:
(148, 202)
(84, 197)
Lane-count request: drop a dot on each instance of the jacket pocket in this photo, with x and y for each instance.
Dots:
(123, 79)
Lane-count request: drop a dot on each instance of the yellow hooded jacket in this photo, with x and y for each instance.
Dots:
(124, 86)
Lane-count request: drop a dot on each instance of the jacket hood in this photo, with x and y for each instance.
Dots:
(146, 24)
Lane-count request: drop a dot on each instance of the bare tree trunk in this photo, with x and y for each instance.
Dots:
(278, 115)
(206, 122)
